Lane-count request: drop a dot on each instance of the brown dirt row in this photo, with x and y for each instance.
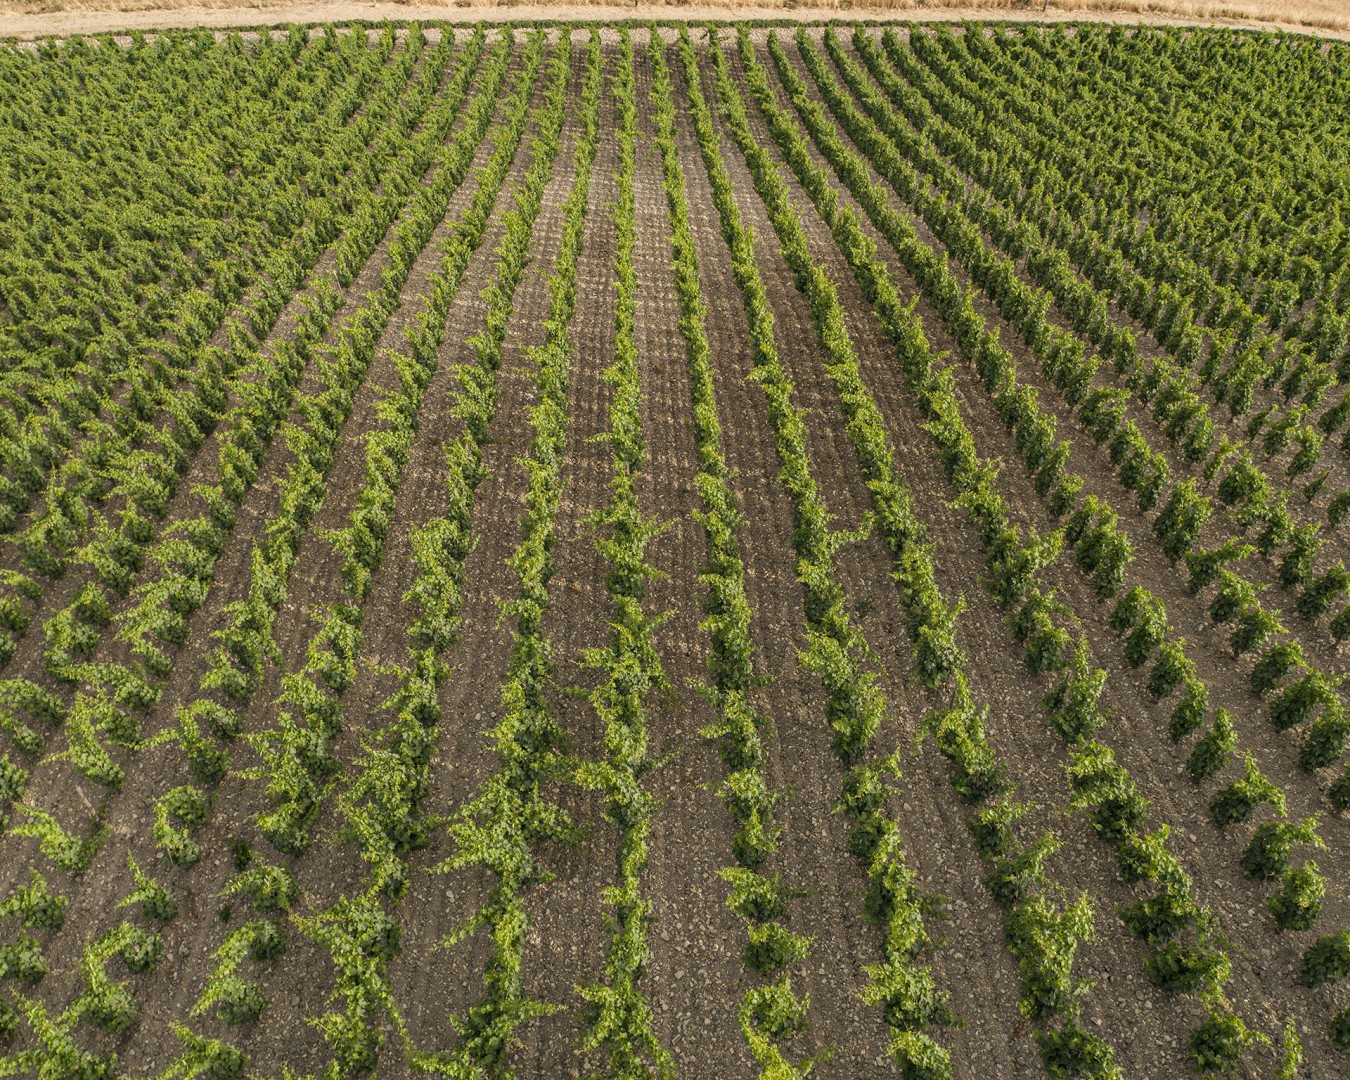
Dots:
(569, 935)
(1138, 733)
(696, 975)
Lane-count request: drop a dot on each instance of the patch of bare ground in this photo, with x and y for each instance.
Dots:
(1261, 954)
(55, 18)
(696, 978)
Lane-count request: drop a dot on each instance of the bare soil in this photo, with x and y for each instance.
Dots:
(28, 19)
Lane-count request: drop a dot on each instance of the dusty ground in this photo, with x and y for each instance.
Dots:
(43, 18)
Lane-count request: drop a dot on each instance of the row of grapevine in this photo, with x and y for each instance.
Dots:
(903, 985)
(407, 161)
(74, 632)
(188, 380)
(184, 808)
(302, 751)
(214, 867)
(1178, 526)
(1065, 363)
(38, 116)
(382, 801)
(483, 832)
(1247, 488)
(187, 553)
(88, 115)
(1268, 853)
(299, 763)
(771, 1012)
(1212, 278)
(998, 370)
(618, 1017)
(103, 1002)
(1041, 934)
(1102, 254)
(973, 480)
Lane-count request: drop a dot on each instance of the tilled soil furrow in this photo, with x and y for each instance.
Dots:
(696, 977)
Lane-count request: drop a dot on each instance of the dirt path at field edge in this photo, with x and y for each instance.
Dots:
(18, 21)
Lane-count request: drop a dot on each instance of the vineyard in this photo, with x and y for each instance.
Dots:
(637, 551)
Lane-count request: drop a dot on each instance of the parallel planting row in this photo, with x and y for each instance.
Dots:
(338, 483)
